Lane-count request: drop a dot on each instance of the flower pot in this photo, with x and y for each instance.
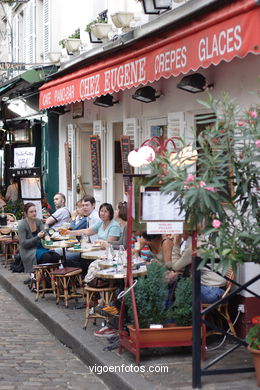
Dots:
(54, 56)
(168, 336)
(72, 45)
(256, 360)
(122, 20)
(101, 30)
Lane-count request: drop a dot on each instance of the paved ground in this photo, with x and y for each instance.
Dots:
(66, 325)
(31, 357)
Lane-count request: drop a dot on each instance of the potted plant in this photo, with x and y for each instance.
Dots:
(122, 20)
(151, 295)
(100, 28)
(72, 43)
(253, 340)
(217, 181)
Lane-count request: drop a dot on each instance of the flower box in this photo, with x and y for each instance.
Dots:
(168, 336)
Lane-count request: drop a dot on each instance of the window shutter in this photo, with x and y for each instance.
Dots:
(72, 157)
(46, 29)
(15, 39)
(131, 129)
(30, 32)
(189, 131)
(99, 129)
(175, 126)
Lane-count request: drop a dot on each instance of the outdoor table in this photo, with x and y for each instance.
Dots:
(95, 254)
(59, 244)
(103, 263)
(87, 248)
(110, 273)
(62, 238)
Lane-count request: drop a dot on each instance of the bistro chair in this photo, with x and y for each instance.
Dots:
(66, 281)
(221, 312)
(44, 279)
(9, 239)
(106, 293)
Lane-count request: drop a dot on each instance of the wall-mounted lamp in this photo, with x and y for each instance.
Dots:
(194, 83)
(105, 101)
(145, 94)
(156, 6)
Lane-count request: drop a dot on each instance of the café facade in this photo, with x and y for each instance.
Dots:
(204, 45)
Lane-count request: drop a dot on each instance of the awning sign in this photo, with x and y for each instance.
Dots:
(216, 38)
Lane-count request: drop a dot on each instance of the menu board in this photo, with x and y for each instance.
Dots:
(31, 188)
(157, 206)
(95, 161)
(125, 145)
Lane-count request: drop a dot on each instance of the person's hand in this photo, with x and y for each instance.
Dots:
(170, 275)
(102, 243)
(41, 234)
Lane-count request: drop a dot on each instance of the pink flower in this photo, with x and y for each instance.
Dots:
(186, 187)
(212, 189)
(253, 114)
(216, 223)
(240, 123)
(257, 143)
(190, 178)
(202, 183)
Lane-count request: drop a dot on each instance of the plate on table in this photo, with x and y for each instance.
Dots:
(61, 238)
(72, 241)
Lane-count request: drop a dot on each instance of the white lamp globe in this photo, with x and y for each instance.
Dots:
(147, 153)
(135, 159)
(188, 156)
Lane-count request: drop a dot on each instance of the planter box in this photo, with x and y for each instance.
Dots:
(169, 336)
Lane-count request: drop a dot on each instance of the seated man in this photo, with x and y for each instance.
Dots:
(212, 284)
(61, 214)
(85, 216)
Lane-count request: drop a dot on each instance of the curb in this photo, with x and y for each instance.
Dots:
(81, 343)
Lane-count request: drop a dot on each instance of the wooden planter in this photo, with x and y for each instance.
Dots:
(169, 336)
(256, 359)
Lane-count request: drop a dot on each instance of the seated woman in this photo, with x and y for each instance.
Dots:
(30, 232)
(212, 284)
(160, 246)
(107, 228)
(121, 217)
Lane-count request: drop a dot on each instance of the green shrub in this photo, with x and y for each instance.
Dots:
(15, 208)
(150, 295)
(182, 307)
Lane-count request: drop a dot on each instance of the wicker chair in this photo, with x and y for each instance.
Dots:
(42, 275)
(66, 281)
(107, 293)
(10, 241)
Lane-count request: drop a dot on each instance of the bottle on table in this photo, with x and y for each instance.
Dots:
(109, 254)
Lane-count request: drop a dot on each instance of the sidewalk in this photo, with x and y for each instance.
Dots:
(67, 326)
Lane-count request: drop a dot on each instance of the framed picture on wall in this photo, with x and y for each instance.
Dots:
(78, 110)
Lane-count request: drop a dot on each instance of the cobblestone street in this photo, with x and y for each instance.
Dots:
(31, 358)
